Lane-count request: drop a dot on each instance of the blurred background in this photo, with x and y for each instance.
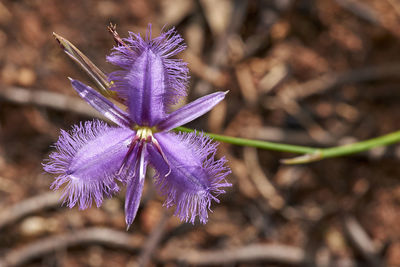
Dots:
(316, 73)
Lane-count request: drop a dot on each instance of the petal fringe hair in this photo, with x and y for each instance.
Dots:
(78, 191)
(167, 45)
(191, 203)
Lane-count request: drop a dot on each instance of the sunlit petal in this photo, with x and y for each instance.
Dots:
(191, 111)
(150, 80)
(102, 104)
(195, 178)
(86, 160)
(135, 184)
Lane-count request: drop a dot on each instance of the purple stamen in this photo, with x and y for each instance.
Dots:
(128, 155)
(159, 150)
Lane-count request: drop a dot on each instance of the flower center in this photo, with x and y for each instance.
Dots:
(144, 134)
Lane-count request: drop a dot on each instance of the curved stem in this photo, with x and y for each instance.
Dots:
(254, 143)
(310, 154)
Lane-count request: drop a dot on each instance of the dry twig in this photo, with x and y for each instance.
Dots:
(47, 99)
(208, 73)
(103, 236)
(154, 240)
(257, 252)
(289, 97)
(332, 80)
(361, 241)
(28, 206)
(360, 9)
(261, 181)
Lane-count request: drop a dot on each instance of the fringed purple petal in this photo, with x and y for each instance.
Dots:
(195, 177)
(87, 160)
(101, 104)
(150, 81)
(145, 81)
(135, 184)
(191, 111)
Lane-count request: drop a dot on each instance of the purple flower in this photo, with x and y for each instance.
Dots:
(93, 157)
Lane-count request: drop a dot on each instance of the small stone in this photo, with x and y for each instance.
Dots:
(33, 226)
(26, 77)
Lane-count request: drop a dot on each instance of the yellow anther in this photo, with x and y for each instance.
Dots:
(144, 132)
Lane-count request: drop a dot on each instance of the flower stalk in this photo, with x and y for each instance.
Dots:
(309, 154)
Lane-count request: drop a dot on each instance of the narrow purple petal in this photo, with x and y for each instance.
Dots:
(195, 177)
(135, 185)
(102, 104)
(150, 81)
(146, 89)
(87, 160)
(191, 111)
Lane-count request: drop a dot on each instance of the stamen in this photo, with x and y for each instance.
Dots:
(145, 135)
(139, 152)
(142, 168)
(164, 157)
(128, 154)
(118, 40)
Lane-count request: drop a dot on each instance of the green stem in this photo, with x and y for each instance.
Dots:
(255, 143)
(309, 153)
(383, 140)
